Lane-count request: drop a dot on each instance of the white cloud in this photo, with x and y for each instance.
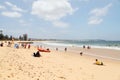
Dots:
(101, 11)
(2, 7)
(11, 14)
(12, 10)
(95, 21)
(9, 4)
(23, 23)
(52, 10)
(14, 7)
(84, 0)
(97, 14)
(28, 1)
(60, 24)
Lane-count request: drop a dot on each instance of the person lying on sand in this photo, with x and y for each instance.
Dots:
(98, 62)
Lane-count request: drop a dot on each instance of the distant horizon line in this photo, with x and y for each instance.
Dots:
(74, 39)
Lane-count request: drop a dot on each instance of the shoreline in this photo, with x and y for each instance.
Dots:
(93, 52)
(56, 43)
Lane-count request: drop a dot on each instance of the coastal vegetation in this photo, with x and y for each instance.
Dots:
(7, 37)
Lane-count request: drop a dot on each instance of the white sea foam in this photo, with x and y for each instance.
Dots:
(62, 44)
(56, 44)
(106, 47)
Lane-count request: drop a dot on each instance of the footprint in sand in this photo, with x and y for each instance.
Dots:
(80, 68)
(29, 74)
(62, 77)
(12, 75)
(38, 79)
(0, 75)
(8, 76)
(10, 65)
(9, 69)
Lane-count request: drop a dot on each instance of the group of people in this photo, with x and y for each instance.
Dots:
(25, 45)
(96, 60)
(88, 47)
(65, 49)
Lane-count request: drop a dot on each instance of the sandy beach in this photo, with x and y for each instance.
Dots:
(19, 64)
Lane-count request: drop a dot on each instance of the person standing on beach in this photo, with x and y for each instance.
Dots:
(65, 49)
(88, 47)
(83, 46)
(56, 49)
(25, 45)
(81, 53)
(28, 46)
(1, 44)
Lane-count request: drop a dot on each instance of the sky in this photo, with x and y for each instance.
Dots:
(61, 19)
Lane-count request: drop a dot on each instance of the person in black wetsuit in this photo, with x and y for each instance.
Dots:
(37, 54)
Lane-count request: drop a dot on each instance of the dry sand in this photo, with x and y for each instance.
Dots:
(19, 64)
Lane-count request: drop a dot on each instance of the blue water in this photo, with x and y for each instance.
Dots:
(93, 43)
(80, 43)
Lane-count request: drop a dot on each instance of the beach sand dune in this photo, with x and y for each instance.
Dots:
(19, 64)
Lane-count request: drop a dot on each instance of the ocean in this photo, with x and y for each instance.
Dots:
(80, 43)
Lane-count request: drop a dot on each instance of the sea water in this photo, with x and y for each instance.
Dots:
(80, 43)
